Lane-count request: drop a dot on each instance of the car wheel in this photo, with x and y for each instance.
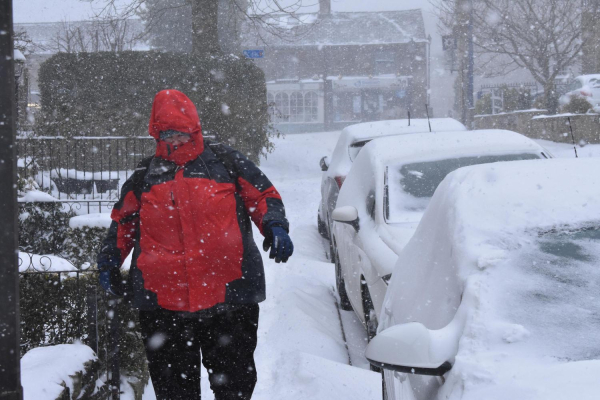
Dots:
(341, 288)
(371, 322)
(332, 252)
(322, 228)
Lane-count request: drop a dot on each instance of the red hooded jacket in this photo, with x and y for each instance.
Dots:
(186, 214)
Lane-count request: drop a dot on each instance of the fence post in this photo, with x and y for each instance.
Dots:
(92, 317)
(114, 374)
(10, 368)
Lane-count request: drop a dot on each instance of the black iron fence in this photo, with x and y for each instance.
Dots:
(60, 299)
(81, 168)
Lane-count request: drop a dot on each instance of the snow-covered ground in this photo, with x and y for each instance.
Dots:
(301, 353)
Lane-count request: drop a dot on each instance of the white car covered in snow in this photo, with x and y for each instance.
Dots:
(498, 289)
(584, 86)
(385, 195)
(351, 141)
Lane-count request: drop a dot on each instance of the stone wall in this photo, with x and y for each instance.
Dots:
(586, 128)
(537, 125)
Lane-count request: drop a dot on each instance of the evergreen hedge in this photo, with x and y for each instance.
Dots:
(54, 307)
(111, 94)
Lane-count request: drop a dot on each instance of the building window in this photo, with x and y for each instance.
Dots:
(282, 106)
(271, 106)
(384, 63)
(310, 107)
(296, 107)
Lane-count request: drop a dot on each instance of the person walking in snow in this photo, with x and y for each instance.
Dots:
(196, 275)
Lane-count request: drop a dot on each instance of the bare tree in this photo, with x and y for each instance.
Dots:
(543, 36)
(204, 18)
(108, 34)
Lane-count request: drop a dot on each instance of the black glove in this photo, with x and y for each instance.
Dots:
(280, 243)
(111, 280)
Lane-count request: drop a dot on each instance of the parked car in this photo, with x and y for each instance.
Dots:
(497, 291)
(584, 86)
(351, 141)
(385, 195)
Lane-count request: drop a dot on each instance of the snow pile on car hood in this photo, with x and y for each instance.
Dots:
(474, 257)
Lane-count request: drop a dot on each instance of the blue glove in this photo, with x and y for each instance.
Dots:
(111, 281)
(280, 243)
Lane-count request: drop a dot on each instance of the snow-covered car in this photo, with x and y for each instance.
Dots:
(497, 291)
(385, 195)
(349, 144)
(584, 86)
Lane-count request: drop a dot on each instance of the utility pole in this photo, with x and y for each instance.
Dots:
(470, 86)
(10, 357)
(464, 34)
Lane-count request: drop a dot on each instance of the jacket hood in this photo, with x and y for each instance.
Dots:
(173, 110)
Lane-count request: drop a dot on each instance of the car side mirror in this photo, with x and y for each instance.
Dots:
(409, 348)
(347, 215)
(324, 164)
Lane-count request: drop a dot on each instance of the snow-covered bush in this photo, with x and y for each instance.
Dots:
(65, 371)
(577, 105)
(55, 307)
(56, 310)
(104, 94)
(43, 227)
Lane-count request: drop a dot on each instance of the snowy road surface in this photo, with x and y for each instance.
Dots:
(301, 354)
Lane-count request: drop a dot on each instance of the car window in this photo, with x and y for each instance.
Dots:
(575, 85)
(411, 186)
(554, 293)
(370, 203)
(594, 83)
(356, 147)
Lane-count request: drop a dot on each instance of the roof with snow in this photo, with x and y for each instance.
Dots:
(338, 28)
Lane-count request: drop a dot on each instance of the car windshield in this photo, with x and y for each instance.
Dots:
(409, 187)
(555, 292)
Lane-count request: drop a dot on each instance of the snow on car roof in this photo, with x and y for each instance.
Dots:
(340, 159)
(589, 77)
(437, 146)
(491, 256)
(370, 130)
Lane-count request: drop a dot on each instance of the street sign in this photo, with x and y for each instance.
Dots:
(449, 43)
(254, 53)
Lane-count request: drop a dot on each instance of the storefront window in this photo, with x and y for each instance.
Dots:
(296, 107)
(310, 107)
(282, 105)
(346, 107)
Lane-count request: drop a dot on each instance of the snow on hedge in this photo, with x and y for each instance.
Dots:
(45, 371)
(93, 220)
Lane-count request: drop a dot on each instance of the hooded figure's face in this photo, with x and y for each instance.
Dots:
(174, 111)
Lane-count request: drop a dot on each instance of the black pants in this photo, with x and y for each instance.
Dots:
(226, 335)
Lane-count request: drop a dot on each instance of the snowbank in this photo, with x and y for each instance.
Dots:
(46, 371)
